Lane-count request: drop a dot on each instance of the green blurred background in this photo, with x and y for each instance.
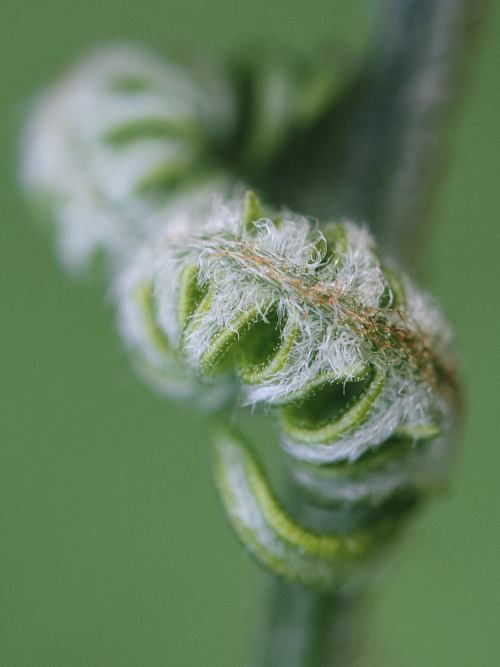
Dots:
(114, 549)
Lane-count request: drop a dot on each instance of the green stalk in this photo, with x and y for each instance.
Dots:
(303, 628)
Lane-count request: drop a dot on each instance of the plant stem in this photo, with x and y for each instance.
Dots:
(303, 628)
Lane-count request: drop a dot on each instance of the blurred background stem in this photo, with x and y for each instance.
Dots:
(377, 155)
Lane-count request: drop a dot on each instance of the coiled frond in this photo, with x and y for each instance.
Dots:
(355, 359)
(308, 320)
(313, 559)
(222, 300)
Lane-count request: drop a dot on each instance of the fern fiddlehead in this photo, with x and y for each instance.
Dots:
(352, 356)
(222, 300)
